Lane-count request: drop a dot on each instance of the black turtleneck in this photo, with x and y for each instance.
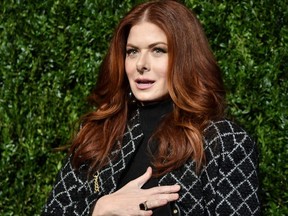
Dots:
(150, 117)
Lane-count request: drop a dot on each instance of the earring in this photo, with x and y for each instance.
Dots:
(131, 97)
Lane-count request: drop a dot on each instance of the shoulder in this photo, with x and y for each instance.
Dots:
(227, 136)
(223, 128)
(229, 148)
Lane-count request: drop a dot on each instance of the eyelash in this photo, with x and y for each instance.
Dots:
(131, 51)
(157, 50)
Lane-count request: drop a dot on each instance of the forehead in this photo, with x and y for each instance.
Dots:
(146, 32)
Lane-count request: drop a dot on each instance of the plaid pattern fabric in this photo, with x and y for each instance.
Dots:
(71, 195)
(227, 185)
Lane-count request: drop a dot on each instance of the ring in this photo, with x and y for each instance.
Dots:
(143, 206)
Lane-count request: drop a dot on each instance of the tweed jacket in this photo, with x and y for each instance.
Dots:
(227, 185)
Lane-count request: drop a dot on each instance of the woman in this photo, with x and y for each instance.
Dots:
(158, 142)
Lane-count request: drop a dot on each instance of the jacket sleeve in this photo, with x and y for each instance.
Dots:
(237, 188)
(71, 195)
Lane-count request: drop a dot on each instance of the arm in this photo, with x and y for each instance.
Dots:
(237, 188)
(71, 195)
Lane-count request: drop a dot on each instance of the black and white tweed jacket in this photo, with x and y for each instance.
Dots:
(227, 185)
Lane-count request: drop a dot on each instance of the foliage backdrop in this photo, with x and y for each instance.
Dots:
(50, 52)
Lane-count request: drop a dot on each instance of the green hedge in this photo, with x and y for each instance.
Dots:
(50, 52)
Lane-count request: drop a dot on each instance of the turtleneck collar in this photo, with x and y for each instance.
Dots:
(152, 113)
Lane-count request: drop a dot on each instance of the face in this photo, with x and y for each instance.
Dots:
(146, 62)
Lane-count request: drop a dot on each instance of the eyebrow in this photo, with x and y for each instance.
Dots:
(150, 45)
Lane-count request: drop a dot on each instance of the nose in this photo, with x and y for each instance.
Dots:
(142, 64)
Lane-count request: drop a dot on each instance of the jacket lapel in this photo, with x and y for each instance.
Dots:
(109, 176)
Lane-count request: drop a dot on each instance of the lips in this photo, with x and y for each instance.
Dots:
(144, 83)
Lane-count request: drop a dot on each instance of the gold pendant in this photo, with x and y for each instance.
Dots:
(96, 183)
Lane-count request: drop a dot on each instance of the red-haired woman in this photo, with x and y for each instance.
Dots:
(158, 142)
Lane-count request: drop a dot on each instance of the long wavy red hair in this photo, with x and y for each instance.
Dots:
(194, 84)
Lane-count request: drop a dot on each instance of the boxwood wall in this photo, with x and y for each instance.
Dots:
(50, 52)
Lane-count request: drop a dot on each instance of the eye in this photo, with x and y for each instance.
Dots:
(158, 51)
(131, 52)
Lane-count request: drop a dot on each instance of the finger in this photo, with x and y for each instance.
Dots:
(165, 189)
(168, 197)
(140, 181)
(156, 203)
(146, 213)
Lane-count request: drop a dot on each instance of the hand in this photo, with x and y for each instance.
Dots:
(126, 200)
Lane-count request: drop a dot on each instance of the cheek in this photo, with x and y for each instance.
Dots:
(163, 70)
(128, 69)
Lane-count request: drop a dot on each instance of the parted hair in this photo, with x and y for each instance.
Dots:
(194, 84)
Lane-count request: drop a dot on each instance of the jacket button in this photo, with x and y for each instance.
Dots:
(175, 211)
